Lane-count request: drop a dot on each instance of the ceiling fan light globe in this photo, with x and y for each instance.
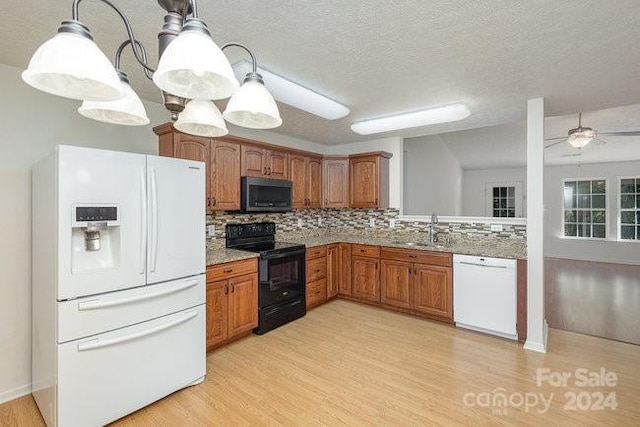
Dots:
(201, 118)
(252, 106)
(72, 66)
(194, 67)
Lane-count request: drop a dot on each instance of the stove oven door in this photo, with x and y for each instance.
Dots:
(282, 279)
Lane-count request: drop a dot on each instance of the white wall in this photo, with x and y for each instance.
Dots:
(474, 187)
(432, 178)
(390, 145)
(609, 250)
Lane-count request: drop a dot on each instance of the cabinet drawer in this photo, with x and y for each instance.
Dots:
(316, 292)
(365, 250)
(231, 269)
(316, 269)
(417, 256)
(316, 252)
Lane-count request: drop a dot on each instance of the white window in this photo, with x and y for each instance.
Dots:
(584, 212)
(629, 205)
(503, 199)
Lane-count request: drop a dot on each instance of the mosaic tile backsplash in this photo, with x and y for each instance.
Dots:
(355, 219)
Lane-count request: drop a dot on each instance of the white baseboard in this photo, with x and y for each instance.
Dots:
(8, 395)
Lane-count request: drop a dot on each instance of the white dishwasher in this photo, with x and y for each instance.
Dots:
(484, 294)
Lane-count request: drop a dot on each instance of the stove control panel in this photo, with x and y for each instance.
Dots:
(251, 230)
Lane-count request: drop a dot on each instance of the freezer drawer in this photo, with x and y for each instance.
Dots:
(93, 315)
(104, 377)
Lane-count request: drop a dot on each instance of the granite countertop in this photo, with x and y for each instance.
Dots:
(489, 246)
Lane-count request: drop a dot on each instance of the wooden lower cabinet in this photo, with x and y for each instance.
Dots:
(344, 283)
(232, 301)
(423, 289)
(316, 276)
(365, 283)
(395, 283)
(433, 291)
(333, 270)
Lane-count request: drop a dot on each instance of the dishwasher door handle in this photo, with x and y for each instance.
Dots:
(483, 265)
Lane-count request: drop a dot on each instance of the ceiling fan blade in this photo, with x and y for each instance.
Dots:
(553, 144)
(627, 133)
(556, 139)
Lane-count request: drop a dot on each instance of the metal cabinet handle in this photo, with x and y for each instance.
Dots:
(264, 170)
(412, 256)
(228, 271)
(213, 201)
(376, 202)
(233, 288)
(268, 171)
(226, 289)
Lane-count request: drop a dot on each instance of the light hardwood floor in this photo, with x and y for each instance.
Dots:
(350, 364)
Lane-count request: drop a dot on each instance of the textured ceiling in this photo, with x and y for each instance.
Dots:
(383, 57)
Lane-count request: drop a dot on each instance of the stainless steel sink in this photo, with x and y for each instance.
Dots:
(420, 244)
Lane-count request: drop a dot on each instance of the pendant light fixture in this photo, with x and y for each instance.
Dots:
(128, 110)
(191, 67)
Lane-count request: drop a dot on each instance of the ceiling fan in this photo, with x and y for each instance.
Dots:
(581, 136)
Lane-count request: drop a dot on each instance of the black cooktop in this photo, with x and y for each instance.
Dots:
(258, 237)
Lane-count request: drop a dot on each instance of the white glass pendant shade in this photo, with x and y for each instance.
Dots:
(127, 111)
(202, 118)
(252, 106)
(72, 66)
(194, 67)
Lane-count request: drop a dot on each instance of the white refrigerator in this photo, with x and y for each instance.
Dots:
(118, 282)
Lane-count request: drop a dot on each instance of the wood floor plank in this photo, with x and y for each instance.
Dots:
(351, 364)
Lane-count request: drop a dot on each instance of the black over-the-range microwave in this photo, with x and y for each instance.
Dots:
(265, 195)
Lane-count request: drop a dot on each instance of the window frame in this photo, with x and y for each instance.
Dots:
(606, 209)
(519, 202)
(619, 210)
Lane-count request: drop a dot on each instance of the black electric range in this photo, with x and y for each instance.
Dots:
(281, 272)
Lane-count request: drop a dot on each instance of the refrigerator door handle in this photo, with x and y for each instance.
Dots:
(97, 304)
(97, 343)
(143, 224)
(154, 220)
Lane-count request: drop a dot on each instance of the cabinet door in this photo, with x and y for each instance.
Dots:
(364, 181)
(195, 148)
(243, 304)
(298, 175)
(395, 281)
(344, 284)
(365, 283)
(225, 176)
(254, 161)
(216, 312)
(333, 270)
(277, 165)
(336, 183)
(433, 291)
(314, 182)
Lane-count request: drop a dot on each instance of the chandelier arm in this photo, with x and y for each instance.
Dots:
(142, 61)
(143, 54)
(194, 9)
(253, 57)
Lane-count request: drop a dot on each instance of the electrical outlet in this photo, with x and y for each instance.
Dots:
(299, 222)
(211, 230)
(496, 227)
(372, 222)
(319, 221)
(392, 223)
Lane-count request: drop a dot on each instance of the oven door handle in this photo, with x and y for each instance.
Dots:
(283, 255)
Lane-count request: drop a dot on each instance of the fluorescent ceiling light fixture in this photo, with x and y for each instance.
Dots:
(293, 94)
(449, 113)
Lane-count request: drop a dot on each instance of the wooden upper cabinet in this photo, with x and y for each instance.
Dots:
(336, 182)
(264, 163)
(369, 180)
(306, 175)
(314, 182)
(224, 176)
(277, 165)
